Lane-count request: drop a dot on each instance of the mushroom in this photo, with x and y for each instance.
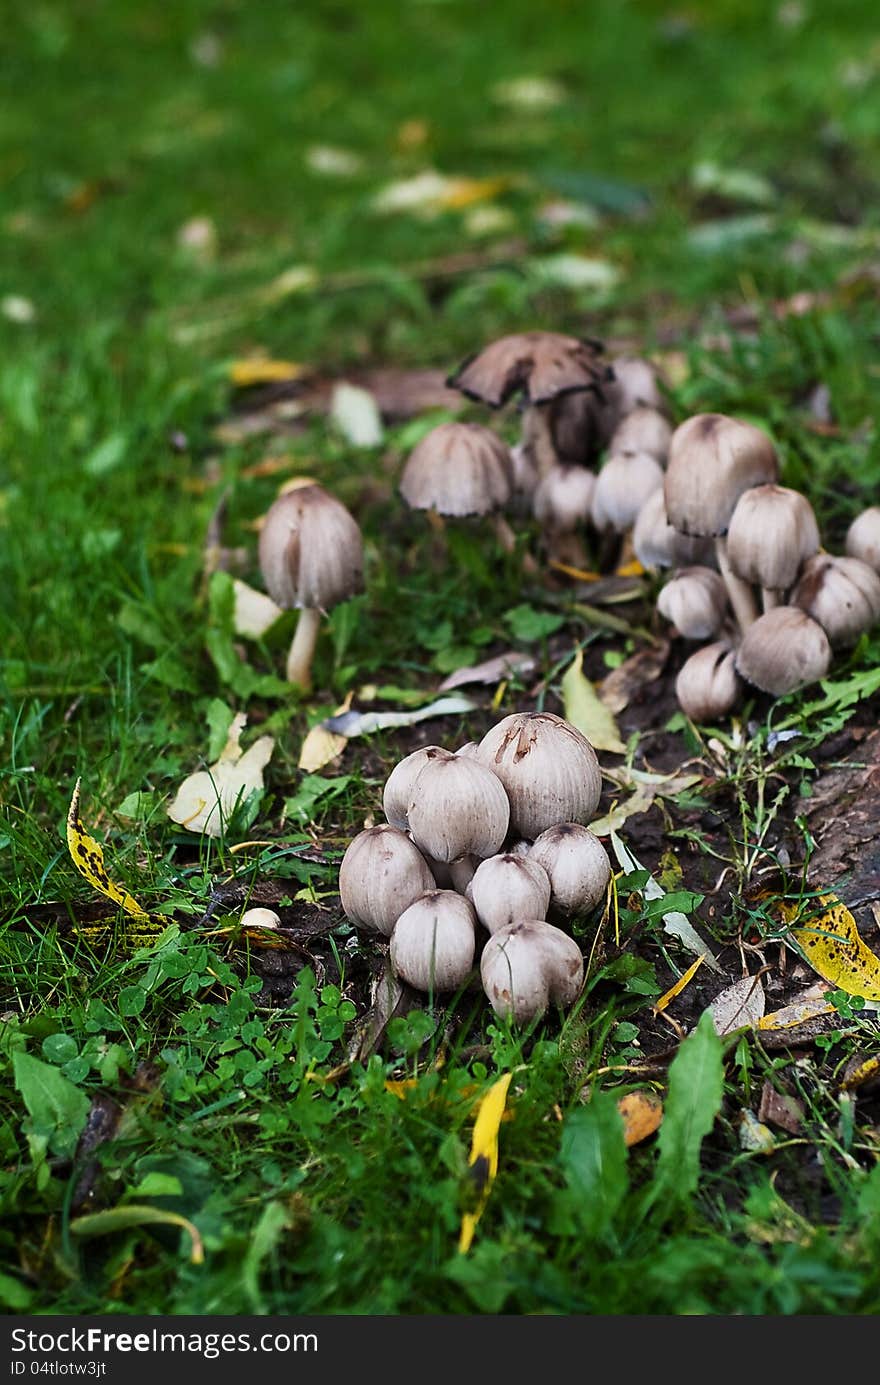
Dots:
(398, 786)
(622, 487)
(636, 385)
(643, 430)
(842, 594)
(509, 887)
(783, 650)
(708, 685)
(582, 424)
(772, 532)
(433, 943)
(712, 460)
(542, 367)
(260, 918)
(527, 966)
(548, 768)
(561, 504)
(380, 875)
(461, 469)
(311, 557)
(863, 537)
(695, 602)
(457, 808)
(577, 864)
(657, 544)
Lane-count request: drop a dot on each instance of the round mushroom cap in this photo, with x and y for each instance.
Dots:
(539, 365)
(622, 487)
(783, 650)
(398, 786)
(772, 532)
(458, 469)
(527, 966)
(577, 864)
(507, 888)
(657, 544)
(636, 385)
(708, 686)
(863, 537)
(549, 770)
(433, 943)
(311, 550)
(380, 875)
(643, 430)
(458, 807)
(842, 594)
(712, 460)
(695, 602)
(563, 497)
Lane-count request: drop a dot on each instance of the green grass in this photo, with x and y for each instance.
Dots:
(124, 121)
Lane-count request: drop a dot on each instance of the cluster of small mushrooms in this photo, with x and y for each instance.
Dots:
(485, 853)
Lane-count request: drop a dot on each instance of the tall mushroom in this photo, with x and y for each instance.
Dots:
(772, 532)
(311, 556)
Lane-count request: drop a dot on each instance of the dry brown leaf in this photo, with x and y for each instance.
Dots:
(740, 1006)
(620, 686)
(780, 1109)
(207, 799)
(641, 1113)
(321, 746)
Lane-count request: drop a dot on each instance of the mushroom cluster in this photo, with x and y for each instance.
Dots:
(574, 406)
(485, 853)
(777, 605)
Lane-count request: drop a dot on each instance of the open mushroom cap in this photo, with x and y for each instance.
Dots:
(657, 544)
(842, 594)
(527, 966)
(643, 430)
(783, 650)
(863, 537)
(458, 469)
(712, 460)
(458, 807)
(695, 602)
(577, 865)
(433, 942)
(708, 685)
(622, 487)
(548, 768)
(540, 366)
(562, 498)
(311, 550)
(381, 873)
(772, 532)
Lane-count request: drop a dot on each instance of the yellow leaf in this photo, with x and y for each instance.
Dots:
(631, 569)
(483, 1162)
(88, 857)
(790, 1016)
(584, 710)
(321, 746)
(463, 192)
(260, 370)
(641, 1112)
(680, 984)
(833, 947)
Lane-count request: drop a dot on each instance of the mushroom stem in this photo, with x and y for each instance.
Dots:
(504, 534)
(538, 437)
(770, 599)
(302, 650)
(742, 598)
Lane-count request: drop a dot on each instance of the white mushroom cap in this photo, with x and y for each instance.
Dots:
(260, 918)
(772, 532)
(863, 537)
(622, 487)
(528, 966)
(708, 686)
(507, 888)
(657, 544)
(577, 865)
(548, 768)
(381, 873)
(636, 384)
(783, 650)
(712, 460)
(842, 594)
(643, 430)
(458, 469)
(563, 498)
(433, 943)
(310, 550)
(458, 807)
(398, 786)
(695, 602)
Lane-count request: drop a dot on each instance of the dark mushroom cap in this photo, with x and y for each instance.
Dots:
(539, 365)
(712, 460)
(458, 469)
(311, 551)
(772, 532)
(783, 650)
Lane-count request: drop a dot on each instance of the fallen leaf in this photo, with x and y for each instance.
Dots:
(254, 612)
(429, 193)
(675, 923)
(483, 1162)
(680, 984)
(536, 93)
(859, 1072)
(574, 272)
(135, 1215)
(207, 799)
(197, 238)
(617, 815)
(88, 857)
(623, 683)
(351, 724)
(333, 162)
(780, 1109)
(355, 413)
(584, 710)
(642, 1113)
(753, 1135)
(833, 947)
(320, 746)
(490, 671)
(261, 370)
(735, 184)
(740, 1006)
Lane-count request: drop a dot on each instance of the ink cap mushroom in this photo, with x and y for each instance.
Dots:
(381, 874)
(311, 556)
(708, 686)
(457, 808)
(547, 767)
(577, 866)
(434, 941)
(783, 650)
(509, 887)
(528, 966)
